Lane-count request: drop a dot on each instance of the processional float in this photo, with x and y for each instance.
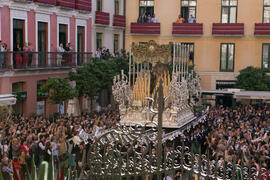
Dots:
(149, 65)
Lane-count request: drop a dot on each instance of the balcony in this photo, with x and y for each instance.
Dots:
(145, 28)
(102, 18)
(262, 29)
(50, 2)
(119, 20)
(192, 29)
(66, 3)
(84, 5)
(43, 60)
(231, 29)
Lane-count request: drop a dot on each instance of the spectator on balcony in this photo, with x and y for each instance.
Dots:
(60, 57)
(180, 19)
(154, 19)
(191, 19)
(18, 56)
(25, 54)
(98, 52)
(149, 18)
(69, 55)
(2, 54)
(30, 55)
(144, 18)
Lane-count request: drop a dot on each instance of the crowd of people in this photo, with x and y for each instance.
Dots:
(147, 18)
(237, 135)
(234, 135)
(22, 55)
(105, 53)
(21, 139)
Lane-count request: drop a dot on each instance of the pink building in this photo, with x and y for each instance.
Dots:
(33, 31)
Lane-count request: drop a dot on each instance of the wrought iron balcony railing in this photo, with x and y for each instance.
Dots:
(37, 60)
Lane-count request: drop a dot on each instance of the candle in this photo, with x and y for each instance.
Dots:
(148, 85)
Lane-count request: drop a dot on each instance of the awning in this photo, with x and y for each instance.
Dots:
(216, 92)
(7, 99)
(264, 95)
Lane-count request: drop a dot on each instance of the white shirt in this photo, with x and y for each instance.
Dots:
(4, 148)
(61, 49)
(2, 49)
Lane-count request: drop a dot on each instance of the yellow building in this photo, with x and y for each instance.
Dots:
(227, 35)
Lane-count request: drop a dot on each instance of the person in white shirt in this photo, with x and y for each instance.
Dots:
(98, 53)
(60, 51)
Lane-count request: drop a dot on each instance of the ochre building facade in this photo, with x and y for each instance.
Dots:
(226, 35)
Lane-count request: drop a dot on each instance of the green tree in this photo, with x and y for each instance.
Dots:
(59, 90)
(98, 75)
(253, 79)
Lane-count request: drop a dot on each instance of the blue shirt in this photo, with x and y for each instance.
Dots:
(191, 20)
(55, 150)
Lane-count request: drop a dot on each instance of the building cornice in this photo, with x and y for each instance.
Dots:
(20, 6)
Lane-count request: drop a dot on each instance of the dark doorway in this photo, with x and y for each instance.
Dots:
(63, 34)
(42, 43)
(18, 33)
(80, 44)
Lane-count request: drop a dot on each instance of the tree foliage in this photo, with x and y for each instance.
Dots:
(253, 79)
(98, 75)
(59, 90)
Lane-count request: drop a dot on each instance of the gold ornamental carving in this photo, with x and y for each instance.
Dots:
(152, 52)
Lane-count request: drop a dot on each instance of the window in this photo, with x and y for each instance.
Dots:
(18, 33)
(116, 7)
(229, 11)
(99, 5)
(116, 43)
(63, 29)
(99, 40)
(266, 56)
(146, 6)
(227, 57)
(266, 11)
(188, 8)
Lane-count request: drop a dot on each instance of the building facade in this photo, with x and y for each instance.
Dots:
(224, 36)
(33, 31)
(108, 25)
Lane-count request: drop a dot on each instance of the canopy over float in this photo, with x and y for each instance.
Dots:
(149, 65)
